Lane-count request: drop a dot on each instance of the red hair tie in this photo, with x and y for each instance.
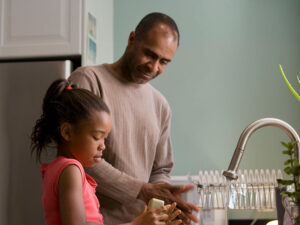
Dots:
(69, 88)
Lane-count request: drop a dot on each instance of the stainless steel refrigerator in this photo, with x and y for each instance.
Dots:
(22, 88)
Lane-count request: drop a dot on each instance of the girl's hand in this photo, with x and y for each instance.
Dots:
(151, 217)
(163, 215)
(170, 193)
(172, 213)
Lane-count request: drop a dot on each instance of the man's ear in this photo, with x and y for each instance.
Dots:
(131, 38)
(66, 131)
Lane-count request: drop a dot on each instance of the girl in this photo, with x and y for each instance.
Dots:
(77, 122)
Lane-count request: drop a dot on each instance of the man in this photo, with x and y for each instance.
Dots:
(138, 156)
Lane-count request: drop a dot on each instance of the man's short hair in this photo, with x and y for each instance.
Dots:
(152, 19)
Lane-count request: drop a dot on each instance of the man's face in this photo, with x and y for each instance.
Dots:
(149, 55)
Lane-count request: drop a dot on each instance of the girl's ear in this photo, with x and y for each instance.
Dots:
(66, 131)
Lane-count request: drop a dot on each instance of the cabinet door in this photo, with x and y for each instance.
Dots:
(40, 28)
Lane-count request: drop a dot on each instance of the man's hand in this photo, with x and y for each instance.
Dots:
(170, 193)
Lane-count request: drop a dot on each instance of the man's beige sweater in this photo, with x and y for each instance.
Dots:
(138, 148)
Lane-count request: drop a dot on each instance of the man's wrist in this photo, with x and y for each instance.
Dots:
(142, 194)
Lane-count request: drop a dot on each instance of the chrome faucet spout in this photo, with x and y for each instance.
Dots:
(231, 172)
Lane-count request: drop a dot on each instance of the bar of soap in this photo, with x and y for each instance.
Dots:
(154, 203)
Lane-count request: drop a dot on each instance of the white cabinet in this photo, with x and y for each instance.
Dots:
(56, 28)
(40, 28)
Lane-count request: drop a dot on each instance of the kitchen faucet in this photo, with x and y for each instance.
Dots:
(231, 172)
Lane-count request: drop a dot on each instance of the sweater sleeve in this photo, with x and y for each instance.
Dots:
(112, 182)
(163, 162)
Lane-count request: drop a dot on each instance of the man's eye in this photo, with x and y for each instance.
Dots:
(164, 62)
(150, 55)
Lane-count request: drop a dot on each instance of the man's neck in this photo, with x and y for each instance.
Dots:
(120, 69)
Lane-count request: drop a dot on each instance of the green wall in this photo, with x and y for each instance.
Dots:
(224, 76)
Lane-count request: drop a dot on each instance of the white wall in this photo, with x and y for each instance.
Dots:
(103, 11)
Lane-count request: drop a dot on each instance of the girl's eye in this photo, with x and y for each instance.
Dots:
(96, 139)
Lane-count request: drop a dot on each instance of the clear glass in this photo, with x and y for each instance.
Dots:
(213, 217)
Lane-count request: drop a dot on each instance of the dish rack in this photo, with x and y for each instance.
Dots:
(254, 189)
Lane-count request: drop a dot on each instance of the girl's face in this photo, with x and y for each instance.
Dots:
(86, 141)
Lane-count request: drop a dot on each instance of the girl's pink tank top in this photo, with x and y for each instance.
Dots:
(50, 176)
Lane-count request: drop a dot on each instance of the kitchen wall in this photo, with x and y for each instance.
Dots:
(102, 11)
(224, 76)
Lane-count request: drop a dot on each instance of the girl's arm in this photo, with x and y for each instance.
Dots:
(71, 204)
